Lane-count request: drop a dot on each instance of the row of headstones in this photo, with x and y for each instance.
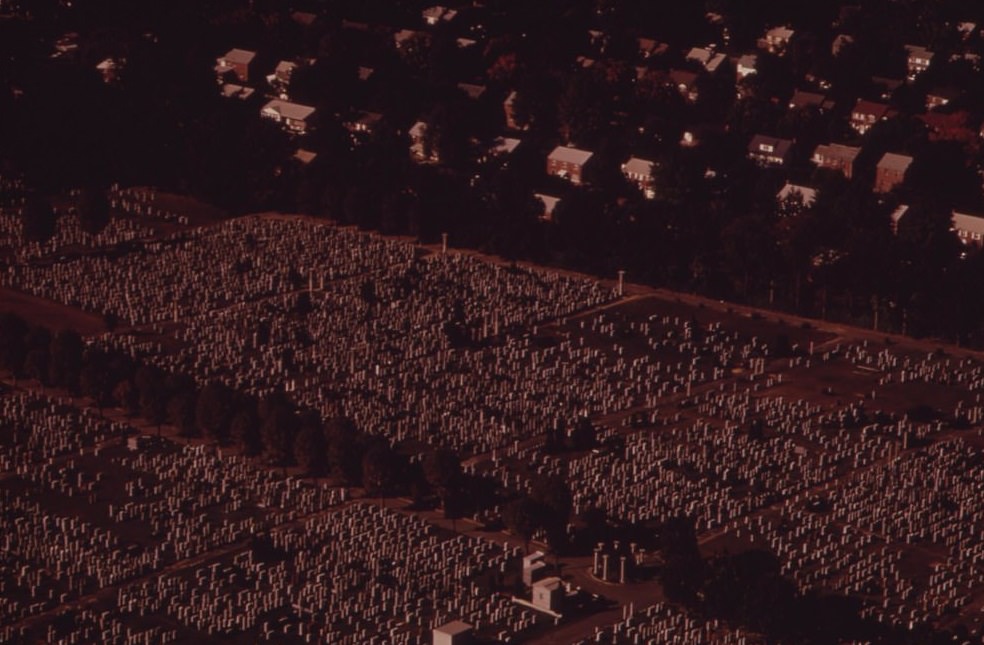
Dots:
(329, 585)
(663, 623)
(856, 547)
(196, 271)
(44, 427)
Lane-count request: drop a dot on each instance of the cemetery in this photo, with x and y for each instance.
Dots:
(855, 461)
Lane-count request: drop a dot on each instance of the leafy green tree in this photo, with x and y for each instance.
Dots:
(95, 379)
(379, 469)
(442, 470)
(309, 449)
(278, 432)
(39, 219)
(245, 431)
(153, 395)
(181, 412)
(522, 518)
(13, 342)
(344, 452)
(213, 411)
(93, 210)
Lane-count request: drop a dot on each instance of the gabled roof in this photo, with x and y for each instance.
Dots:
(418, 129)
(837, 151)
(305, 156)
(288, 110)
(892, 161)
(473, 91)
(802, 99)
(239, 56)
(774, 146)
(285, 67)
(748, 61)
(808, 195)
(779, 33)
(878, 110)
(570, 155)
(637, 166)
(504, 145)
(968, 223)
(232, 90)
(706, 57)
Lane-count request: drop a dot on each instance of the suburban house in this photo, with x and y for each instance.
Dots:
(897, 216)
(804, 194)
(365, 123)
(109, 69)
(420, 148)
(686, 84)
(649, 47)
(293, 116)
(769, 151)
(500, 147)
(840, 42)
(568, 163)
(474, 92)
(305, 157)
(890, 171)
(509, 109)
(640, 172)
(969, 228)
(776, 40)
(867, 113)
(802, 100)
(836, 156)
(235, 61)
(280, 79)
(706, 57)
(549, 204)
(918, 60)
(746, 65)
(887, 86)
(436, 14)
(940, 96)
(236, 91)
(404, 37)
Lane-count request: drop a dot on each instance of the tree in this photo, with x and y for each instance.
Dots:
(521, 517)
(127, 396)
(245, 431)
(39, 219)
(95, 379)
(553, 496)
(181, 411)
(278, 432)
(379, 466)
(683, 569)
(442, 470)
(213, 411)
(93, 210)
(65, 362)
(13, 342)
(582, 435)
(36, 366)
(344, 453)
(153, 395)
(309, 449)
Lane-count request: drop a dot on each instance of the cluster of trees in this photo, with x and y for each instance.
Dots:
(749, 589)
(272, 427)
(546, 507)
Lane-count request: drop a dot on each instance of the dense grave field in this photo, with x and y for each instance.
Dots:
(855, 459)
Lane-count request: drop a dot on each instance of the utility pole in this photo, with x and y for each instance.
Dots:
(444, 243)
(621, 282)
